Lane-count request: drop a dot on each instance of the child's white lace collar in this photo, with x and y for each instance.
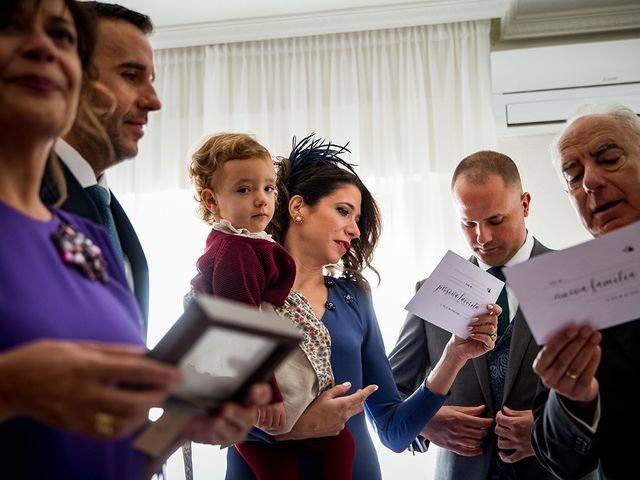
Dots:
(226, 227)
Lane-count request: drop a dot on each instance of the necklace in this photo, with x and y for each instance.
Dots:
(76, 250)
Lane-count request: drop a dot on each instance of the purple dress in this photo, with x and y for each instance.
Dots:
(41, 297)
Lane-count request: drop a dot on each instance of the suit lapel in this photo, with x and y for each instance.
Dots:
(77, 201)
(126, 233)
(133, 251)
(481, 367)
(520, 341)
(521, 338)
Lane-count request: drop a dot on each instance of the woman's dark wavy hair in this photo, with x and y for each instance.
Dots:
(314, 170)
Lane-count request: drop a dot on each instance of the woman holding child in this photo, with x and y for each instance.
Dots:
(325, 216)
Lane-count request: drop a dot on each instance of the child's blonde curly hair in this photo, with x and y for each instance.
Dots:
(215, 151)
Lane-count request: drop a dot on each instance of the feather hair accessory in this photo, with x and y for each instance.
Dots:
(315, 151)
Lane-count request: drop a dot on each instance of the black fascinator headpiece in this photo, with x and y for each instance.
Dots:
(311, 151)
(314, 170)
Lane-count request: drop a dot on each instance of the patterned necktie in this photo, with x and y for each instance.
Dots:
(503, 319)
(100, 197)
(498, 360)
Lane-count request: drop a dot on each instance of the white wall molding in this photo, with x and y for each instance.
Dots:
(351, 20)
(615, 18)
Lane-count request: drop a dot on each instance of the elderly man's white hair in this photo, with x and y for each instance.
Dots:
(624, 114)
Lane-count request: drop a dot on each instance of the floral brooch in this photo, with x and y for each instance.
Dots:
(79, 251)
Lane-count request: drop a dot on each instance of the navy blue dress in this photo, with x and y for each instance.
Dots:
(358, 356)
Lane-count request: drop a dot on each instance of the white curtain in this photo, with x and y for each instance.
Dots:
(411, 102)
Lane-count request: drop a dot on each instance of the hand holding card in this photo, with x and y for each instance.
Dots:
(595, 283)
(455, 293)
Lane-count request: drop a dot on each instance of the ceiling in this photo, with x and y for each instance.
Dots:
(197, 22)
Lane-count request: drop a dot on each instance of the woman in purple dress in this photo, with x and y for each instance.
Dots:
(74, 383)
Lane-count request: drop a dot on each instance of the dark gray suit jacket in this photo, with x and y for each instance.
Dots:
(569, 449)
(79, 202)
(419, 347)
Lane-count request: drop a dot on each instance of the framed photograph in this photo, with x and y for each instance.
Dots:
(223, 347)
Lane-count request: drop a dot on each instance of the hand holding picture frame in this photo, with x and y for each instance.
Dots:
(222, 347)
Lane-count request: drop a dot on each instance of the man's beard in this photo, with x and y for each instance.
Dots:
(120, 150)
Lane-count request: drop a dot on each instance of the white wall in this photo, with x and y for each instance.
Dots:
(552, 218)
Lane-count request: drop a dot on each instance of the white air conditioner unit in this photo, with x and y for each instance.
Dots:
(536, 89)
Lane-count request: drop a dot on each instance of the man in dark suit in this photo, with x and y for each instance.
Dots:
(124, 65)
(106, 131)
(581, 422)
(485, 426)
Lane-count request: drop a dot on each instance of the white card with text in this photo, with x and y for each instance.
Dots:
(454, 293)
(595, 283)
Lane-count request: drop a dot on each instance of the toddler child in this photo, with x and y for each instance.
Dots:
(235, 184)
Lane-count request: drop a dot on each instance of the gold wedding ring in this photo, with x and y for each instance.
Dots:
(493, 336)
(104, 424)
(571, 375)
